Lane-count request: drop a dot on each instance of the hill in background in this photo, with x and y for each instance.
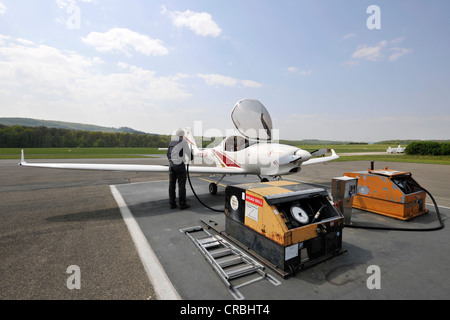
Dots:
(27, 122)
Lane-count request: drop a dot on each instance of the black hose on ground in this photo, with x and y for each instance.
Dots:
(195, 194)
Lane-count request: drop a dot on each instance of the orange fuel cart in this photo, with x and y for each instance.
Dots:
(389, 192)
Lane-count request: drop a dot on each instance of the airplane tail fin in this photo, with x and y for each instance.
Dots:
(191, 140)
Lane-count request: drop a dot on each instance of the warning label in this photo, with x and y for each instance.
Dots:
(258, 201)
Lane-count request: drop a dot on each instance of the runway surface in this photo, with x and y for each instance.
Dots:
(53, 219)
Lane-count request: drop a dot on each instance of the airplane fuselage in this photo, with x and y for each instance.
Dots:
(256, 157)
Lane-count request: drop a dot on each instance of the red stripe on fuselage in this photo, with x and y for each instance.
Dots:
(227, 161)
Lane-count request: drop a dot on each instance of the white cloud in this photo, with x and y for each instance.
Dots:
(4, 39)
(2, 9)
(295, 70)
(24, 41)
(378, 52)
(163, 10)
(123, 40)
(348, 36)
(45, 82)
(305, 72)
(41, 81)
(397, 40)
(398, 52)
(63, 4)
(201, 23)
(250, 84)
(217, 79)
(221, 80)
(350, 63)
(370, 53)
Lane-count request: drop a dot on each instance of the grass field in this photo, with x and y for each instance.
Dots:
(103, 153)
(349, 148)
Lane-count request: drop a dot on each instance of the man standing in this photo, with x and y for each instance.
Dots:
(177, 152)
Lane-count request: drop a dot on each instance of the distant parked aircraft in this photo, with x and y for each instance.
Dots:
(399, 149)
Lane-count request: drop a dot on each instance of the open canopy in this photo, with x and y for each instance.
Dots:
(252, 119)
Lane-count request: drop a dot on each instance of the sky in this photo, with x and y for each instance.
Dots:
(350, 70)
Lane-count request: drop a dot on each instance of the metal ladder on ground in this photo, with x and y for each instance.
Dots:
(227, 260)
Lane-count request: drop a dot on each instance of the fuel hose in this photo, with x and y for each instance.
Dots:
(195, 194)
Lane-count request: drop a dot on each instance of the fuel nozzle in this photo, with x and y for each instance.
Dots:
(317, 216)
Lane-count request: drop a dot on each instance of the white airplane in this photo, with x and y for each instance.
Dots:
(399, 149)
(250, 151)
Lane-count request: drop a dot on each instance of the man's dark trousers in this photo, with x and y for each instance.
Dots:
(177, 172)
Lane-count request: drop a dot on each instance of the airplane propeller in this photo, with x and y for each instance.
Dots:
(289, 159)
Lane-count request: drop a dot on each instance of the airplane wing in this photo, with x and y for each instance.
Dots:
(333, 156)
(128, 167)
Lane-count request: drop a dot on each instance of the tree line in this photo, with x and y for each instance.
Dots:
(43, 137)
(432, 148)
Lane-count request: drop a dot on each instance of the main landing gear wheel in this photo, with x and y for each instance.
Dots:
(213, 189)
(264, 180)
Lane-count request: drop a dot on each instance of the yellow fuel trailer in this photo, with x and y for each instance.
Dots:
(289, 224)
(389, 192)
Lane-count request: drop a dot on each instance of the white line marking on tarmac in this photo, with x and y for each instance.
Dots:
(161, 283)
(442, 207)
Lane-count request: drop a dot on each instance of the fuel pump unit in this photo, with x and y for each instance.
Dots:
(289, 224)
(389, 192)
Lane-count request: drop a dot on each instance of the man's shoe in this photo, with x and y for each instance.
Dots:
(173, 206)
(184, 206)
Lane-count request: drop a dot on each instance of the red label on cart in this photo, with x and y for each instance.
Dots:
(258, 201)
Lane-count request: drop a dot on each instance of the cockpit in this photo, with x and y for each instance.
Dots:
(253, 123)
(252, 120)
(237, 143)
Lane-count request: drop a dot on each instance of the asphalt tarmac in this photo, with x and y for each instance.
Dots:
(54, 219)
